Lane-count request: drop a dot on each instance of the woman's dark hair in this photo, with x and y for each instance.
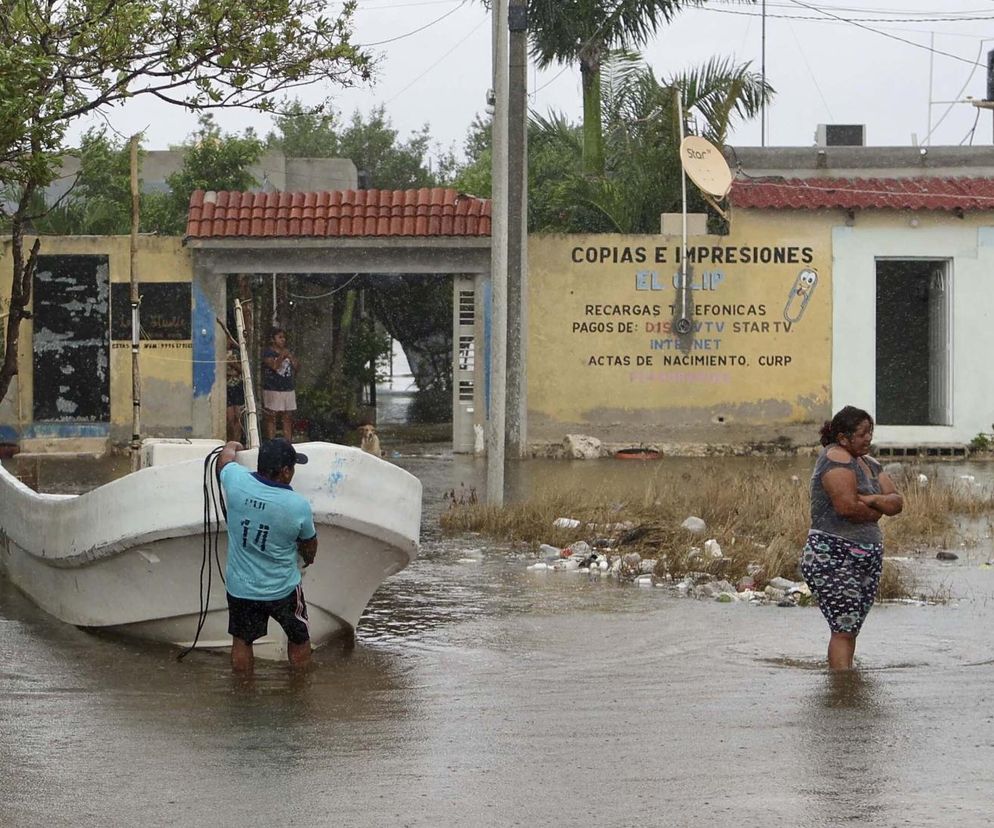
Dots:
(845, 422)
(276, 330)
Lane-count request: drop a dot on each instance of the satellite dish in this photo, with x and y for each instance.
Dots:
(705, 165)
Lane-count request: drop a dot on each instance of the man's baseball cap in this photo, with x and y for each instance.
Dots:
(277, 453)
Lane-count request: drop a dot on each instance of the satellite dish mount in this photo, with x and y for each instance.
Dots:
(704, 164)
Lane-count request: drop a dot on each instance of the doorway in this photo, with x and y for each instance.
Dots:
(913, 342)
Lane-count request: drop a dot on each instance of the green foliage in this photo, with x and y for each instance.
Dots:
(61, 61)
(304, 133)
(99, 201)
(366, 351)
(982, 442)
(642, 136)
(564, 31)
(393, 165)
(369, 141)
(474, 176)
(584, 32)
(212, 160)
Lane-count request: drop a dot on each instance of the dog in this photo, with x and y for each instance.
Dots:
(368, 441)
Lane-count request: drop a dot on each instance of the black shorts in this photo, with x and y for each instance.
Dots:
(248, 619)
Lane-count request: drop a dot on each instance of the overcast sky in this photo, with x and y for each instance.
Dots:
(880, 70)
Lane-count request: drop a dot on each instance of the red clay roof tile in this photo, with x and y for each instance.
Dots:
(864, 193)
(426, 211)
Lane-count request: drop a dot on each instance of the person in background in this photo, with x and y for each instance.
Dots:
(843, 557)
(269, 525)
(279, 400)
(235, 394)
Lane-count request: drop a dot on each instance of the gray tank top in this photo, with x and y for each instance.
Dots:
(824, 518)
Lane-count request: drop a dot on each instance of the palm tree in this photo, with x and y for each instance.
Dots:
(642, 135)
(566, 31)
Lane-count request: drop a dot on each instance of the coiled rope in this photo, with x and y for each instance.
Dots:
(214, 509)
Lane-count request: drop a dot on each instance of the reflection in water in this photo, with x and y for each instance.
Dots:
(848, 725)
(479, 693)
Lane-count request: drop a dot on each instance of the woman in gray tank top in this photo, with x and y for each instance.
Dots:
(843, 556)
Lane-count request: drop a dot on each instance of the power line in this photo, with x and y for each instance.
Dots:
(892, 12)
(459, 43)
(853, 20)
(814, 78)
(973, 129)
(364, 7)
(414, 31)
(886, 34)
(552, 79)
(956, 97)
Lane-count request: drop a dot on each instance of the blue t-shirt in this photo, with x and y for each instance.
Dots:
(265, 521)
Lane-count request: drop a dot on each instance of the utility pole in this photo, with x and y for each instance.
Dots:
(136, 379)
(762, 73)
(517, 229)
(498, 263)
(990, 75)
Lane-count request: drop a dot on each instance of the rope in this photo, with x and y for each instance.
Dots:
(214, 507)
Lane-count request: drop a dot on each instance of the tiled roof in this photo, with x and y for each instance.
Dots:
(864, 193)
(424, 212)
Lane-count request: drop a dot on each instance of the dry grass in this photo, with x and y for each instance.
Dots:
(759, 516)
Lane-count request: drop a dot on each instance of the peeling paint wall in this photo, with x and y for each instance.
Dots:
(604, 360)
(70, 342)
(167, 353)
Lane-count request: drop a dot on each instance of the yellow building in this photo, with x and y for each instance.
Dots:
(605, 357)
(74, 367)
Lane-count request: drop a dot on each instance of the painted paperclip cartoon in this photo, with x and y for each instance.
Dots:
(800, 294)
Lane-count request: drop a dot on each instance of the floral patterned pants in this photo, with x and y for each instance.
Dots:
(844, 576)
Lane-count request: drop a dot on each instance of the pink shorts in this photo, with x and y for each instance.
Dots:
(279, 400)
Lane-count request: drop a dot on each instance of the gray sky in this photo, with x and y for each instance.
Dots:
(823, 69)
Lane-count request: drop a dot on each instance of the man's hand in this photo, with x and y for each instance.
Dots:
(308, 549)
(231, 448)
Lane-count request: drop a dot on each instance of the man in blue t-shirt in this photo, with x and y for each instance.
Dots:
(269, 524)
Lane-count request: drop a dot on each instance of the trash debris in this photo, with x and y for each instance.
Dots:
(578, 549)
(712, 549)
(946, 556)
(566, 523)
(695, 525)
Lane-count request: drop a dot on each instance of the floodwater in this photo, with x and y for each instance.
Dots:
(480, 693)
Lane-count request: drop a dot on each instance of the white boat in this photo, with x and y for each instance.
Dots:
(126, 556)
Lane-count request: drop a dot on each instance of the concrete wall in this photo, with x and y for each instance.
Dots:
(862, 162)
(176, 372)
(274, 171)
(968, 245)
(603, 360)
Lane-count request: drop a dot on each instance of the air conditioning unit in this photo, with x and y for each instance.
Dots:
(840, 135)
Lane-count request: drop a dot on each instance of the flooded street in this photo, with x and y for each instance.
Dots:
(480, 693)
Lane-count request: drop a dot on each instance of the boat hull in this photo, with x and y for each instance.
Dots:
(145, 575)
